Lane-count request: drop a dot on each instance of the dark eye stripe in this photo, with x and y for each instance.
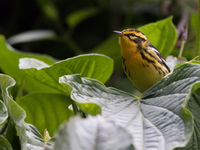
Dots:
(137, 40)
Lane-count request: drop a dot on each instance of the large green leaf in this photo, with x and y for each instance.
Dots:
(162, 34)
(4, 144)
(94, 66)
(159, 120)
(92, 133)
(9, 59)
(52, 110)
(110, 47)
(194, 107)
(30, 138)
(3, 112)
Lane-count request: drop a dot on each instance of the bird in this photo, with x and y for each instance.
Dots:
(142, 62)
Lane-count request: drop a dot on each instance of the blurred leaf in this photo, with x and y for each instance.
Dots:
(49, 9)
(9, 59)
(92, 133)
(111, 48)
(94, 66)
(174, 62)
(195, 23)
(29, 136)
(160, 115)
(162, 34)
(32, 36)
(50, 113)
(4, 144)
(3, 113)
(77, 17)
(171, 62)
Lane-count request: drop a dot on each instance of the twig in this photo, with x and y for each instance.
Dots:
(184, 37)
(182, 24)
(182, 27)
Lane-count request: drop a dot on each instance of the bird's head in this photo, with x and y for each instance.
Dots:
(131, 38)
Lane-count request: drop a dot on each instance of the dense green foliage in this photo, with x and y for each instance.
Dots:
(50, 104)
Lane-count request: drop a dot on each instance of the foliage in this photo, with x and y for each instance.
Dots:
(162, 35)
(50, 104)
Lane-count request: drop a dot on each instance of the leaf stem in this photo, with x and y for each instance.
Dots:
(75, 108)
(181, 49)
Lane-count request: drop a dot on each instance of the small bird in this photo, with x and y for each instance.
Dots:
(142, 62)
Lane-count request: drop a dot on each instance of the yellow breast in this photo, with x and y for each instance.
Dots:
(142, 68)
(141, 73)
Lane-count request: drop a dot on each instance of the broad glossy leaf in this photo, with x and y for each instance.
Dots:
(9, 59)
(110, 47)
(194, 107)
(95, 66)
(162, 34)
(92, 133)
(4, 144)
(50, 113)
(31, 36)
(29, 136)
(159, 120)
(3, 112)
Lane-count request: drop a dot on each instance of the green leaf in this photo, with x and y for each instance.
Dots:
(94, 66)
(159, 120)
(49, 9)
(92, 133)
(50, 113)
(111, 48)
(77, 17)
(162, 34)
(195, 23)
(4, 144)
(3, 113)
(194, 107)
(9, 59)
(32, 36)
(90, 108)
(29, 136)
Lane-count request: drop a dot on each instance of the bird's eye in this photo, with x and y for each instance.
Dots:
(132, 34)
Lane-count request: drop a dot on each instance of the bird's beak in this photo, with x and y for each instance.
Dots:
(118, 32)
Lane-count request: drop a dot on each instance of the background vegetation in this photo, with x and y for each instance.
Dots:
(49, 75)
(70, 28)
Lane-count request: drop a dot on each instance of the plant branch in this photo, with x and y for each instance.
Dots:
(182, 25)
